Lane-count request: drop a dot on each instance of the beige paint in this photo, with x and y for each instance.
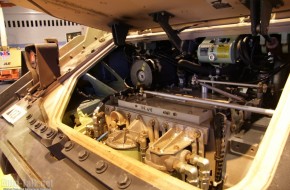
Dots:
(100, 13)
(260, 172)
(55, 108)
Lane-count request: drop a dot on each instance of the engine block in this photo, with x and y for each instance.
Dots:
(167, 135)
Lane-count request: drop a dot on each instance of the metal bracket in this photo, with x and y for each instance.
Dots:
(119, 31)
(43, 62)
(53, 140)
(260, 11)
(103, 170)
(162, 18)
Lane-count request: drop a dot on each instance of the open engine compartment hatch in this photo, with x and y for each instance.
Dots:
(198, 108)
(101, 14)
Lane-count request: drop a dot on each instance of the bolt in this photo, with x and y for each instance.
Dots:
(50, 133)
(83, 155)
(233, 127)
(101, 40)
(123, 181)
(37, 125)
(32, 122)
(61, 136)
(152, 122)
(101, 166)
(165, 125)
(176, 147)
(29, 116)
(197, 134)
(43, 128)
(68, 145)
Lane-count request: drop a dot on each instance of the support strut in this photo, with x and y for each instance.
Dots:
(162, 18)
(260, 11)
(119, 31)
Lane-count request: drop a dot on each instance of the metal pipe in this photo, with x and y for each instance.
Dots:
(215, 103)
(204, 90)
(230, 83)
(190, 171)
(204, 169)
(223, 92)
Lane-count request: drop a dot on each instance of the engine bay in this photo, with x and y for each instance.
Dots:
(198, 115)
(182, 95)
